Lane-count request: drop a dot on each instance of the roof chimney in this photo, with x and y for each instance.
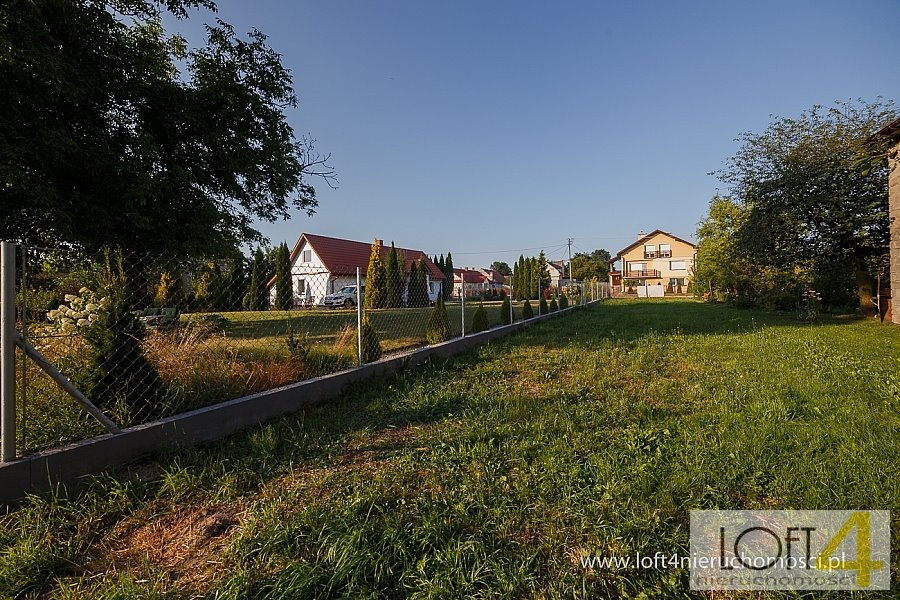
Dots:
(641, 233)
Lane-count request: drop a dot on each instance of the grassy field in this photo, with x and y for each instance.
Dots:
(493, 474)
(230, 354)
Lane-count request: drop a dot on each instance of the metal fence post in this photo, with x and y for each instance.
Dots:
(7, 351)
(512, 315)
(462, 302)
(359, 303)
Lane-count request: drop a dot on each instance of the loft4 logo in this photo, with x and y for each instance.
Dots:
(863, 564)
(804, 550)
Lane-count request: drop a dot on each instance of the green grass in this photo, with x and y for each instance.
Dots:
(492, 474)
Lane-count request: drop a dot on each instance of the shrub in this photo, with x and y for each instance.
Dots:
(117, 373)
(563, 302)
(480, 320)
(371, 346)
(543, 309)
(505, 314)
(298, 344)
(553, 305)
(527, 311)
(437, 327)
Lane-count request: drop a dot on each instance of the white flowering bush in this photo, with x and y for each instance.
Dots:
(81, 311)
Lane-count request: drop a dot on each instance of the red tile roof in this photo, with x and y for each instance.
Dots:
(470, 275)
(341, 257)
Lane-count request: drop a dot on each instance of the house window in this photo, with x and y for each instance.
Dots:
(665, 250)
(650, 251)
(307, 256)
(677, 265)
(676, 281)
(638, 266)
(301, 287)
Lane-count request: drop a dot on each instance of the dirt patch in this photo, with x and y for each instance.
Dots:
(186, 543)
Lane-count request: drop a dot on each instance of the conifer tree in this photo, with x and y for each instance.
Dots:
(543, 309)
(284, 283)
(256, 297)
(480, 320)
(527, 311)
(394, 280)
(371, 345)
(376, 276)
(553, 306)
(437, 327)
(505, 316)
(236, 283)
(448, 277)
(417, 293)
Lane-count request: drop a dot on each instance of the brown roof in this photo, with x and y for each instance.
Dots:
(471, 275)
(341, 257)
(643, 239)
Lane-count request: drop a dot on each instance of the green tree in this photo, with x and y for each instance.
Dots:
(105, 115)
(586, 266)
(376, 280)
(810, 203)
(167, 290)
(371, 345)
(437, 327)
(505, 314)
(501, 267)
(480, 320)
(395, 280)
(256, 297)
(527, 311)
(417, 292)
(447, 286)
(543, 273)
(284, 282)
(543, 307)
(117, 375)
(236, 282)
(553, 306)
(208, 291)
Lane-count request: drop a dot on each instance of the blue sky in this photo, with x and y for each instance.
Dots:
(491, 129)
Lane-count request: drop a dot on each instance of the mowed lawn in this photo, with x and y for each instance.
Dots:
(495, 473)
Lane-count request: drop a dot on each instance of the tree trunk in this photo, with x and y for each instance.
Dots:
(863, 285)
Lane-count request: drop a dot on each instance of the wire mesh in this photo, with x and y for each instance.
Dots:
(145, 337)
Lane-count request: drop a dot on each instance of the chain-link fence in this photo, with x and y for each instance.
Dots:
(146, 337)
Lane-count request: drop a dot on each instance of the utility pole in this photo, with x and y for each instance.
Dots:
(570, 259)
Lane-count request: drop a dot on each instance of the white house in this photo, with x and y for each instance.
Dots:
(322, 265)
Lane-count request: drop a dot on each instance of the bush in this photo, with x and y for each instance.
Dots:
(298, 344)
(527, 311)
(371, 345)
(563, 302)
(480, 320)
(117, 373)
(437, 327)
(553, 305)
(543, 309)
(505, 315)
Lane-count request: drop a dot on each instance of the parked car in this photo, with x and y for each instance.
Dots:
(346, 297)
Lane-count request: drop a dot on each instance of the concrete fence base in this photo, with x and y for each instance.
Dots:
(66, 466)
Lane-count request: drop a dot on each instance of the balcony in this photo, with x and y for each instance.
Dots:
(643, 274)
(649, 255)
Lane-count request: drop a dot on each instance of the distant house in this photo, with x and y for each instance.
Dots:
(473, 281)
(495, 279)
(322, 265)
(892, 132)
(558, 271)
(656, 258)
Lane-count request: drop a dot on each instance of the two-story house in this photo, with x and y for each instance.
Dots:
(657, 258)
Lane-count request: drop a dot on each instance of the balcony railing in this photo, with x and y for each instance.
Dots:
(643, 274)
(666, 254)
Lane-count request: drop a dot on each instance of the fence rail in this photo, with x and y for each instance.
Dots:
(112, 340)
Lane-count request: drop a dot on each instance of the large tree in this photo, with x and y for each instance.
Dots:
(585, 266)
(501, 267)
(810, 203)
(104, 141)
(284, 282)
